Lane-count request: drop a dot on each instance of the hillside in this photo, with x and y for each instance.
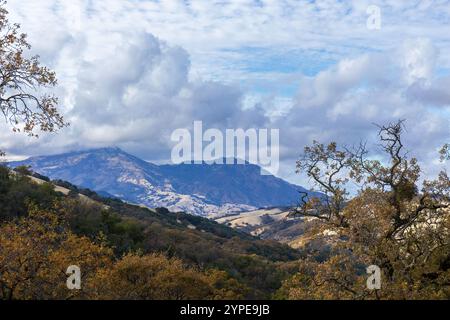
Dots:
(198, 241)
(271, 224)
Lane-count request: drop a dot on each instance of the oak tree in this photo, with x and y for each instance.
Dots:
(24, 102)
(394, 221)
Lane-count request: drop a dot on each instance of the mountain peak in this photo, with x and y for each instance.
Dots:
(105, 154)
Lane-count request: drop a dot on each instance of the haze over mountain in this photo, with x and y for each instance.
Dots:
(201, 189)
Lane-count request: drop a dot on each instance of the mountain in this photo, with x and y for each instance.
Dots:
(201, 189)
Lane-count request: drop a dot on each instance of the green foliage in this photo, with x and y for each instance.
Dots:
(23, 170)
(17, 191)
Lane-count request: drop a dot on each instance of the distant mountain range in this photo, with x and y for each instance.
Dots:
(201, 189)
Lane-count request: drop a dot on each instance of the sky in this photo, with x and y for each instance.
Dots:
(132, 71)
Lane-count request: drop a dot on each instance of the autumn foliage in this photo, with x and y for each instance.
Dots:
(35, 252)
(395, 221)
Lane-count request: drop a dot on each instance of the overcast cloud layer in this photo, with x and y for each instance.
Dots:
(132, 71)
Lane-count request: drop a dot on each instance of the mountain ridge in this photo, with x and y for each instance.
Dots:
(201, 189)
